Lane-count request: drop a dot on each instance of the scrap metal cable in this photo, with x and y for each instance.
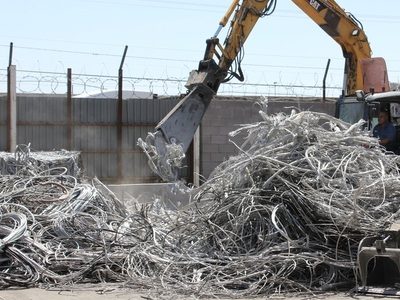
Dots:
(284, 215)
(287, 213)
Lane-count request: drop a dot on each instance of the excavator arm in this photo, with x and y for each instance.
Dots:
(221, 63)
(347, 32)
(166, 147)
(181, 123)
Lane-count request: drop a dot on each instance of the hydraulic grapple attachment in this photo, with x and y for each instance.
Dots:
(379, 263)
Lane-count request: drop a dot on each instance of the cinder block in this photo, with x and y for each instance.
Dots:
(205, 129)
(228, 149)
(205, 138)
(218, 157)
(219, 139)
(206, 156)
(218, 121)
(209, 148)
(213, 130)
(224, 130)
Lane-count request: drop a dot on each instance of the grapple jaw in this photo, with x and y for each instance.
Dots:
(379, 261)
(167, 146)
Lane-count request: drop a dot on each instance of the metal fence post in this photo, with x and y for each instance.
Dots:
(324, 81)
(119, 124)
(11, 108)
(69, 109)
(120, 115)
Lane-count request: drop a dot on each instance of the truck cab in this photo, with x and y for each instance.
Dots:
(367, 107)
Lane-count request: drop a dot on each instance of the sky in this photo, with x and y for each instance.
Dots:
(166, 39)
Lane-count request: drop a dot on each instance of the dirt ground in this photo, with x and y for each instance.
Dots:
(92, 294)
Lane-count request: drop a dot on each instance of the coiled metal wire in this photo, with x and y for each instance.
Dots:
(284, 215)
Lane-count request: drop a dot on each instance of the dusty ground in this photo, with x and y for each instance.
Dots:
(39, 294)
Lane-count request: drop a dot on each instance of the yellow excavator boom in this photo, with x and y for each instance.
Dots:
(222, 62)
(347, 32)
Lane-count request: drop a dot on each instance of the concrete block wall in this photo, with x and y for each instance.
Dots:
(226, 114)
(46, 129)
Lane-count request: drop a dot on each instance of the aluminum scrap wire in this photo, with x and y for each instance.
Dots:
(284, 215)
(25, 161)
(309, 181)
(59, 229)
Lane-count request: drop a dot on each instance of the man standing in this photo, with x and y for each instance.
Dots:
(385, 131)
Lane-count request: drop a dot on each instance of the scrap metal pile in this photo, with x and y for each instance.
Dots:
(24, 160)
(284, 215)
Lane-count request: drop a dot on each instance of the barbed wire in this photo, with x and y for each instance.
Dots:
(104, 86)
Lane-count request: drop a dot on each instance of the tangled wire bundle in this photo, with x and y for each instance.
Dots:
(23, 160)
(285, 215)
(289, 211)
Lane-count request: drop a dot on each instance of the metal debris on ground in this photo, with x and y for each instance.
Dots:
(284, 215)
(25, 160)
